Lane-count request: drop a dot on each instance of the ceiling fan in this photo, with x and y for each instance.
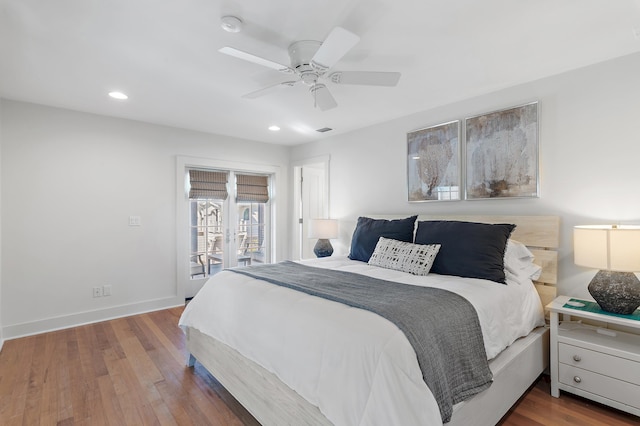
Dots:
(310, 61)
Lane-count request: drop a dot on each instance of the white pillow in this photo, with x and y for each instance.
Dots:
(519, 261)
(415, 259)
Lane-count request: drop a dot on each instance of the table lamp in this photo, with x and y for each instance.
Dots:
(615, 251)
(323, 229)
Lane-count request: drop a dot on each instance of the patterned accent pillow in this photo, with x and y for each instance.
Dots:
(415, 259)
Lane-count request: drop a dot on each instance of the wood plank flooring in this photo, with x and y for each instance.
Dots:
(131, 371)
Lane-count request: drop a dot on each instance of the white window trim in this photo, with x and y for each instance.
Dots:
(278, 218)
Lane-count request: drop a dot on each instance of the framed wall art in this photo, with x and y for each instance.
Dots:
(501, 150)
(433, 163)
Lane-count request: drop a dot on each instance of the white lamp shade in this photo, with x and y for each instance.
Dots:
(607, 247)
(323, 228)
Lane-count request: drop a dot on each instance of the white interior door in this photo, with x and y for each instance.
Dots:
(314, 202)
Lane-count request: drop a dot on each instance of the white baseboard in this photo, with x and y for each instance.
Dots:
(66, 321)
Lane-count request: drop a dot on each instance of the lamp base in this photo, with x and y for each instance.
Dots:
(617, 292)
(323, 248)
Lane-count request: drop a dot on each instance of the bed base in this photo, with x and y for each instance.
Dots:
(268, 399)
(272, 402)
(514, 371)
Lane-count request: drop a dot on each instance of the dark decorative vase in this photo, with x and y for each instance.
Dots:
(323, 248)
(617, 292)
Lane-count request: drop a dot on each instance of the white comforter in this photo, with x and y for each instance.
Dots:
(355, 366)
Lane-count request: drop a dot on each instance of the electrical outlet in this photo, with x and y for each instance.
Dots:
(97, 292)
(106, 290)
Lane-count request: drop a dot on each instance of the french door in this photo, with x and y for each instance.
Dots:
(219, 238)
(229, 222)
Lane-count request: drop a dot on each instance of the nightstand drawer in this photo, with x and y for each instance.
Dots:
(598, 362)
(598, 384)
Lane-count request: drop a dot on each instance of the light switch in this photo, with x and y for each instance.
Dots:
(134, 220)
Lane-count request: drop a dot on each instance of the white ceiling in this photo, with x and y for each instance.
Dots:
(164, 55)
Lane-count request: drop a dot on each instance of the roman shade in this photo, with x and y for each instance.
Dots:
(252, 188)
(208, 184)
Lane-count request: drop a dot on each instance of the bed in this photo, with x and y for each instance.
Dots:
(264, 385)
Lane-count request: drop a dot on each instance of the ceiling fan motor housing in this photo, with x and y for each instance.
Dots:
(301, 53)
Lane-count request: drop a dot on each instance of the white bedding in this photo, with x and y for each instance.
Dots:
(355, 366)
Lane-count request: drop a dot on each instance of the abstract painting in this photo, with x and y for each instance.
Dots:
(502, 153)
(433, 163)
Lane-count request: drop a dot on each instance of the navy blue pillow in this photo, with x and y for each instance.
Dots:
(368, 232)
(467, 249)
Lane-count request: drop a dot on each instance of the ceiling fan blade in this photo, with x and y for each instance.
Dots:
(269, 89)
(336, 45)
(368, 78)
(322, 97)
(255, 59)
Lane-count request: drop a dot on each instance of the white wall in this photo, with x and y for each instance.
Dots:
(70, 181)
(588, 162)
(1, 334)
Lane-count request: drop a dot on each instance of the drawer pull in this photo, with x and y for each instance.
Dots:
(577, 358)
(577, 379)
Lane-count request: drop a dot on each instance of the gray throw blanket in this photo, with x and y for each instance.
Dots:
(442, 327)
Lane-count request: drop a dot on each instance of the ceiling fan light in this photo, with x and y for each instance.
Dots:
(231, 24)
(322, 98)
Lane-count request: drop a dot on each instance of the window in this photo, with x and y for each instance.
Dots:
(252, 198)
(448, 192)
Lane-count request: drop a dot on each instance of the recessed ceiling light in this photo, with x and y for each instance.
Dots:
(274, 128)
(231, 24)
(118, 95)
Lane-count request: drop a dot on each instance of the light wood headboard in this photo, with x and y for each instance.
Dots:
(541, 234)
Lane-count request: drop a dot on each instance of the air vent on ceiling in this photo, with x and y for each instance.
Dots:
(324, 129)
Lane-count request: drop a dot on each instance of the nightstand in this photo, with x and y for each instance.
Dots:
(595, 362)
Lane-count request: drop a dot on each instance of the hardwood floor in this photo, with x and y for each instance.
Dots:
(538, 407)
(131, 371)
